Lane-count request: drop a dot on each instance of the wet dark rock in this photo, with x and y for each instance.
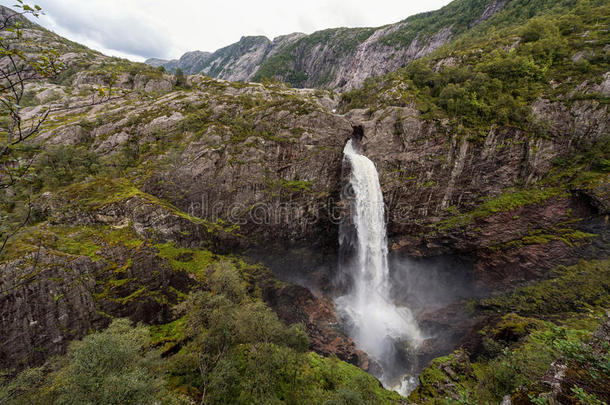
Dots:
(295, 304)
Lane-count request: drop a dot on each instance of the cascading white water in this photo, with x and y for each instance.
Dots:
(375, 322)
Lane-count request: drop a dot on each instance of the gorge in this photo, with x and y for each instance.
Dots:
(430, 217)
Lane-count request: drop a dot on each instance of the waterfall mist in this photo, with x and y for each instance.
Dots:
(431, 283)
(385, 331)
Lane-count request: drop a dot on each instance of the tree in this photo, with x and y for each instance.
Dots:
(22, 62)
(180, 79)
(113, 366)
(11, 389)
(241, 348)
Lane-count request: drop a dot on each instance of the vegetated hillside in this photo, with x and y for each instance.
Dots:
(97, 247)
(147, 205)
(343, 58)
(497, 147)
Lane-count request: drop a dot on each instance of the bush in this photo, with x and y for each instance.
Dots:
(243, 354)
(180, 79)
(538, 28)
(114, 366)
(62, 165)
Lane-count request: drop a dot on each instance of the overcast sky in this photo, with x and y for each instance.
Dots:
(139, 29)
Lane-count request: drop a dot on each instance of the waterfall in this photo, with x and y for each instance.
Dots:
(377, 326)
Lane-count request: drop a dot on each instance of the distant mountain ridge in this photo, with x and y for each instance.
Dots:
(237, 62)
(337, 58)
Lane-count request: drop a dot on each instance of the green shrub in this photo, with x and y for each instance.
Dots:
(237, 351)
(62, 165)
(537, 28)
(180, 79)
(114, 366)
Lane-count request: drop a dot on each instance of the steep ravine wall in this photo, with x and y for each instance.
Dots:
(431, 177)
(432, 180)
(282, 184)
(308, 61)
(429, 174)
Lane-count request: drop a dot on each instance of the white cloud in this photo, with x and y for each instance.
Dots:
(138, 29)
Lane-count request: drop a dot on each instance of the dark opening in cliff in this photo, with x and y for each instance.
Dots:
(358, 132)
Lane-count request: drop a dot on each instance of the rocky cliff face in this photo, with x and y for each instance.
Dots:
(426, 174)
(239, 61)
(190, 62)
(233, 167)
(272, 177)
(227, 193)
(50, 298)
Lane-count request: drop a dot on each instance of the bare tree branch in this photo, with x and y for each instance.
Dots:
(20, 63)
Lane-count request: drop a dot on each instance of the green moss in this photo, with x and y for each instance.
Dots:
(100, 192)
(192, 261)
(444, 378)
(281, 187)
(122, 236)
(569, 236)
(131, 297)
(170, 331)
(168, 335)
(512, 201)
(566, 235)
(580, 288)
(103, 191)
(78, 247)
(63, 240)
(509, 201)
(198, 263)
(113, 283)
(514, 327)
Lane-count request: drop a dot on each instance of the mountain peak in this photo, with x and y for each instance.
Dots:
(340, 57)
